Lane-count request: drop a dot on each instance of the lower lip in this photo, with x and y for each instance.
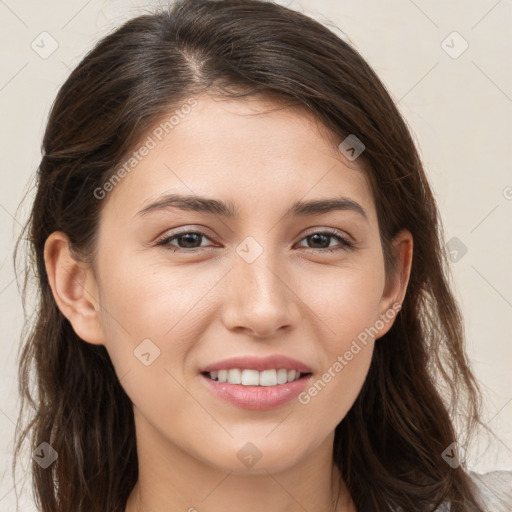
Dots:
(257, 398)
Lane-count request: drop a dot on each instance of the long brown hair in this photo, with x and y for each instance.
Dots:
(390, 445)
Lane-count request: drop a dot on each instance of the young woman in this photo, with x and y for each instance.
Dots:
(244, 302)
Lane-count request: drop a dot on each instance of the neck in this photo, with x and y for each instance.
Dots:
(171, 480)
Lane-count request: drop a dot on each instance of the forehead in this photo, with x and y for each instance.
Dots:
(252, 151)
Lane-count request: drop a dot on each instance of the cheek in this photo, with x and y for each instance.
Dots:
(347, 357)
(346, 299)
(152, 317)
(146, 329)
(147, 300)
(349, 309)
(133, 300)
(331, 394)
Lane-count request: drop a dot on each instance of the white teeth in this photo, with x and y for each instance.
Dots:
(250, 378)
(282, 376)
(268, 378)
(235, 376)
(254, 377)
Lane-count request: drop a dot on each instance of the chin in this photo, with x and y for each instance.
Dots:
(259, 454)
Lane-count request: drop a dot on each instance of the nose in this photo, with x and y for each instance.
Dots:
(260, 299)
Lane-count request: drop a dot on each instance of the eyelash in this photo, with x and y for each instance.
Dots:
(345, 244)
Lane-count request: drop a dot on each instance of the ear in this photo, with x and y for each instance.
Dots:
(396, 284)
(74, 288)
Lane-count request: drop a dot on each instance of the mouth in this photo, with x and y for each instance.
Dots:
(250, 377)
(255, 382)
(255, 390)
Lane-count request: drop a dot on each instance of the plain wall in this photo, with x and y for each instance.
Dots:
(457, 103)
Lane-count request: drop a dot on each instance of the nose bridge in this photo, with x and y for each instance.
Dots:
(258, 269)
(260, 299)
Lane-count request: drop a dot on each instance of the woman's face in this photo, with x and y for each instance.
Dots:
(260, 284)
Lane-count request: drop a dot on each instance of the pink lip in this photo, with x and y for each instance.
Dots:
(276, 362)
(258, 398)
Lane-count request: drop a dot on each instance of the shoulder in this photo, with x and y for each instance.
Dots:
(495, 490)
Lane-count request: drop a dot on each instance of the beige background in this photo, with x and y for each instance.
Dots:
(457, 102)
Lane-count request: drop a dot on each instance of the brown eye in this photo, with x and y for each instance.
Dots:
(321, 241)
(190, 241)
(186, 241)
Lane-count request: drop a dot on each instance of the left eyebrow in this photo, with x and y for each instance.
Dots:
(228, 209)
(318, 207)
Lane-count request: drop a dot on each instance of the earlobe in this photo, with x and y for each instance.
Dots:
(74, 288)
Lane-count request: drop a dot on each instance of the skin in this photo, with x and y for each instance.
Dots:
(198, 308)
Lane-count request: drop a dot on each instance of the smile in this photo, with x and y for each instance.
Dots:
(254, 377)
(267, 393)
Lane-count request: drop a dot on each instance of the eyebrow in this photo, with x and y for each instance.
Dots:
(228, 209)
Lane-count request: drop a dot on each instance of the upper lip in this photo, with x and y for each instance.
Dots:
(258, 363)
